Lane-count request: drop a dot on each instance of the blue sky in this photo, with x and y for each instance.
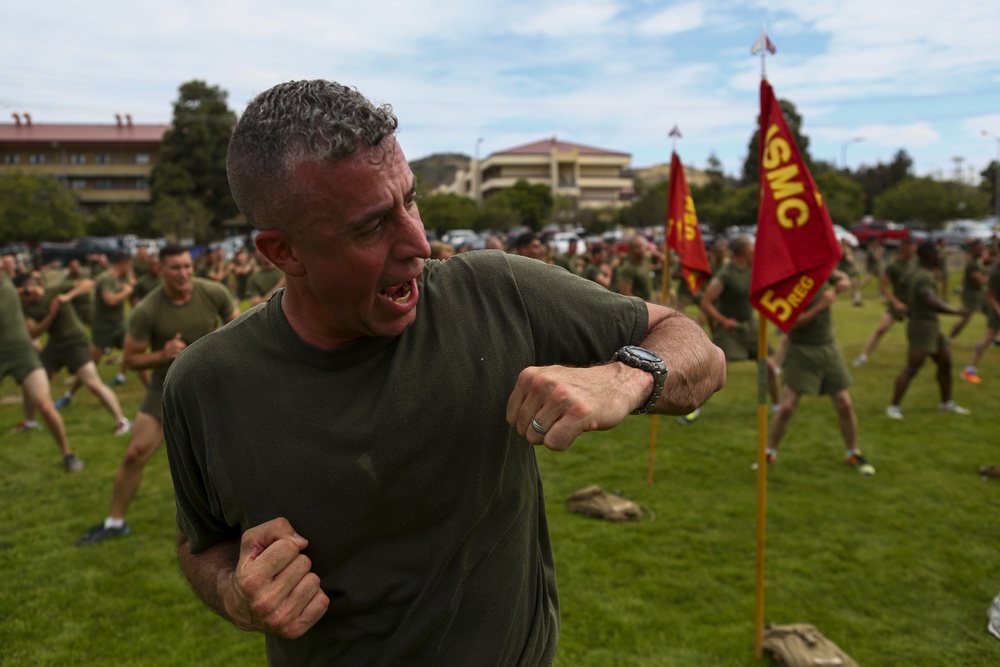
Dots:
(902, 74)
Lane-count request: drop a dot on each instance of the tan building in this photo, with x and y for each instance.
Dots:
(593, 177)
(101, 164)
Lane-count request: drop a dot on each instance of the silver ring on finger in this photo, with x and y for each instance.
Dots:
(538, 428)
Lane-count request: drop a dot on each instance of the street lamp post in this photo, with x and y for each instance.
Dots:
(476, 175)
(843, 150)
(996, 174)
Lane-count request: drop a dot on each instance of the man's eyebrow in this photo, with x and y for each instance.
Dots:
(380, 212)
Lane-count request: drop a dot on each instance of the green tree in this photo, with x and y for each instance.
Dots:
(876, 180)
(35, 207)
(192, 160)
(649, 208)
(989, 182)
(532, 202)
(446, 212)
(794, 120)
(114, 220)
(498, 213)
(930, 202)
(845, 199)
(180, 218)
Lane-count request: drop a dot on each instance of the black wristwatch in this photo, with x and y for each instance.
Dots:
(649, 361)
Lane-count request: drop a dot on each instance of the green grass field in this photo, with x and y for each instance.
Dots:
(898, 569)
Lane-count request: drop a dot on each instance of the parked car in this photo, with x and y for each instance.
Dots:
(889, 233)
(80, 249)
(844, 235)
(961, 232)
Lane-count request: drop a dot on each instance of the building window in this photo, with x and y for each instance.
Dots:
(142, 158)
(77, 158)
(36, 158)
(103, 184)
(78, 184)
(102, 158)
(11, 158)
(141, 184)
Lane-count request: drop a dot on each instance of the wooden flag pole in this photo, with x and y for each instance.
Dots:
(761, 484)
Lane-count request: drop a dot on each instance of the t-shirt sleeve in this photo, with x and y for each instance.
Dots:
(139, 325)
(575, 321)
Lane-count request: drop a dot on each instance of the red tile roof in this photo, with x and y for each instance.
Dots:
(80, 134)
(545, 146)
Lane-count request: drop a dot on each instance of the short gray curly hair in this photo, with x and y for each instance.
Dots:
(321, 121)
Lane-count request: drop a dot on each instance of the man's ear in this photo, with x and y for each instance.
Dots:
(277, 247)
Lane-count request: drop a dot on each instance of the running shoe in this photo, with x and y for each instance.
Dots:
(27, 425)
(971, 376)
(124, 427)
(100, 532)
(116, 380)
(860, 361)
(893, 412)
(952, 406)
(63, 401)
(689, 418)
(860, 464)
(72, 463)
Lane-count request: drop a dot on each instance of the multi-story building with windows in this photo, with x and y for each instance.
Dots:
(101, 164)
(592, 177)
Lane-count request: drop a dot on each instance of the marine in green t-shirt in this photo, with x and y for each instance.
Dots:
(893, 287)
(970, 373)
(635, 274)
(814, 364)
(923, 333)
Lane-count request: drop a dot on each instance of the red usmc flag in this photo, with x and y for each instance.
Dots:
(683, 232)
(796, 249)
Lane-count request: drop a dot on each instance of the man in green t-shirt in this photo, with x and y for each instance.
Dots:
(923, 333)
(814, 364)
(379, 412)
(598, 269)
(992, 324)
(51, 311)
(171, 317)
(974, 278)
(264, 282)
(19, 359)
(726, 301)
(635, 274)
(111, 292)
(892, 286)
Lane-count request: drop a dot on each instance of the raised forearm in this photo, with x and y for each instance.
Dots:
(210, 573)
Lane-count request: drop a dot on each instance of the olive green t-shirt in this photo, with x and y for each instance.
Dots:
(734, 302)
(107, 319)
(144, 285)
(920, 281)
(156, 319)
(65, 325)
(261, 282)
(897, 272)
(640, 275)
(14, 332)
(973, 294)
(422, 506)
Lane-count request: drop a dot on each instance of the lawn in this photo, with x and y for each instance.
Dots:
(898, 569)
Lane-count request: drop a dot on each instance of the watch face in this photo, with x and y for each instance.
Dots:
(644, 354)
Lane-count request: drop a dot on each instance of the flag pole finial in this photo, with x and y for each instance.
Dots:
(763, 45)
(675, 134)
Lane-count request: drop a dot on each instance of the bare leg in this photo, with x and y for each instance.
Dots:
(943, 361)
(883, 326)
(914, 360)
(36, 392)
(782, 418)
(848, 419)
(773, 384)
(977, 352)
(87, 374)
(147, 436)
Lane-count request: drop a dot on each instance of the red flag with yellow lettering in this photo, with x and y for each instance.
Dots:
(683, 232)
(796, 249)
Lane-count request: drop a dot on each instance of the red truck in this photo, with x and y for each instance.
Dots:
(889, 233)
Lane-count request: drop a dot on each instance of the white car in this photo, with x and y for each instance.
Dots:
(844, 235)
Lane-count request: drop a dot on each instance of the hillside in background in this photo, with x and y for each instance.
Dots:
(437, 169)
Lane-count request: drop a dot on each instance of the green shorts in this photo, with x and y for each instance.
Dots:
(109, 339)
(153, 403)
(738, 344)
(993, 319)
(19, 360)
(926, 336)
(815, 369)
(974, 300)
(72, 354)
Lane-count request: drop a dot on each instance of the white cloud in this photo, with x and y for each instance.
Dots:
(673, 20)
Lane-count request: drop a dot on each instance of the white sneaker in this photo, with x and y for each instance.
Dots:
(893, 412)
(860, 361)
(952, 406)
(124, 427)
